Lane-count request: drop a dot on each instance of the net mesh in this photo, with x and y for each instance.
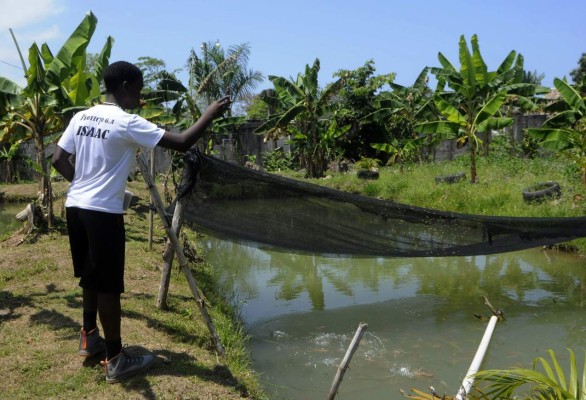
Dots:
(243, 204)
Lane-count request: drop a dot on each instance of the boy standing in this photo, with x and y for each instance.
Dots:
(104, 140)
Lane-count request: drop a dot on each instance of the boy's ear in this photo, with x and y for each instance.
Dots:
(125, 85)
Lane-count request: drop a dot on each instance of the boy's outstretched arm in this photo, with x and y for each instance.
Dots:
(187, 138)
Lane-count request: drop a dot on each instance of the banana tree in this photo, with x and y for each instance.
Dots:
(399, 111)
(401, 151)
(472, 105)
(55, 84)
(306, 109)
(566, 131)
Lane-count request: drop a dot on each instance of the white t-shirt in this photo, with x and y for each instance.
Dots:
(104, 140)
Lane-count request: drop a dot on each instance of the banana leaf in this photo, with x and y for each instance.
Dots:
(480, 68)
(492, 106)
(507, 62)
(494, 124)
(9, 87)
(467, 71)
(570, 95)
(438, 127)
(552, 139)
(72, 50)
(449, 111)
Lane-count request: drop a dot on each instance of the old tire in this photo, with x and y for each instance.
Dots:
(367, 174)
(460, 176)
(542, 191)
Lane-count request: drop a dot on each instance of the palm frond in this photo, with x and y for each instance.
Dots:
(552, 384)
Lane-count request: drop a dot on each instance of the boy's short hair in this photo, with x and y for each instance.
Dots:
(119, 72)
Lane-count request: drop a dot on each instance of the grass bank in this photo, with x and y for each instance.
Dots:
(40, 313)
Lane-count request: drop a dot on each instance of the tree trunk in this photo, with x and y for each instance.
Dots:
(45, 179)
(485, 143)
(472, 161)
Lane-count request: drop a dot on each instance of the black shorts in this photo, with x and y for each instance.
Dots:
(97, 241)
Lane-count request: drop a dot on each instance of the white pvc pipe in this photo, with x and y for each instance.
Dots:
(478, 357)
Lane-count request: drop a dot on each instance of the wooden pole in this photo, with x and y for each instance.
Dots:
(169, 252)
(19, 52)
(344, 364)
(168, 256)
(151, 213)
(183, 263)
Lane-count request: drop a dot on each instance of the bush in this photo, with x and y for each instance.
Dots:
(277, 160)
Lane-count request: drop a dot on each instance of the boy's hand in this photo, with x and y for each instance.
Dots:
(220, 106)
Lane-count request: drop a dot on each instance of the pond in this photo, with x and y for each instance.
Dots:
(302, 312)
(8, 221)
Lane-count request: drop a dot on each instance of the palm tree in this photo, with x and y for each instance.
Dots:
(218, 73)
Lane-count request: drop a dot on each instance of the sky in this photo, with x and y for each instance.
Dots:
(400, 36)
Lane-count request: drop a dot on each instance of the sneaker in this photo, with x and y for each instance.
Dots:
(123, 365)
(91, 343)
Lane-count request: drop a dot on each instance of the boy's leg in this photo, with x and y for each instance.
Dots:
(90, 309)
(110, 316)
(90, 341)
(118, 364)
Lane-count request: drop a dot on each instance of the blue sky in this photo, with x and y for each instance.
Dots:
(401, 36)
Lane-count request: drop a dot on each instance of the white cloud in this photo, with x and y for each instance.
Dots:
(26, 13)
(31, 21)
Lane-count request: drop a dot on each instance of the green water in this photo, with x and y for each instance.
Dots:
(302, 312)
(8, 221)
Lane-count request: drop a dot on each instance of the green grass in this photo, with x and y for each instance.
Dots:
(499, 190)
(40, 313)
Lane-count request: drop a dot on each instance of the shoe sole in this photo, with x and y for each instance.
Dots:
(122, 377)
(84, 353)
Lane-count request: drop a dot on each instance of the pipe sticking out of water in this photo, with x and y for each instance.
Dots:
(477, 360)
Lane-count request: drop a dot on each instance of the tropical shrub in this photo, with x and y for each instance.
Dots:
(566, 130)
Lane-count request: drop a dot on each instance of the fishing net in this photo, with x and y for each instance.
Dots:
(243, 204)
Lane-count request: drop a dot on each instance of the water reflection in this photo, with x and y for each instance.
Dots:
(302, 311)
(532, 277)
(8, 221)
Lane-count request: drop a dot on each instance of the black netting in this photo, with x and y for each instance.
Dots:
(244, 204)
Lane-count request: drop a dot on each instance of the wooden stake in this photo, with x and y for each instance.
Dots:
(151, 214)
(168, 256)
(183, 263)
(169, 252)
(344, 364)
